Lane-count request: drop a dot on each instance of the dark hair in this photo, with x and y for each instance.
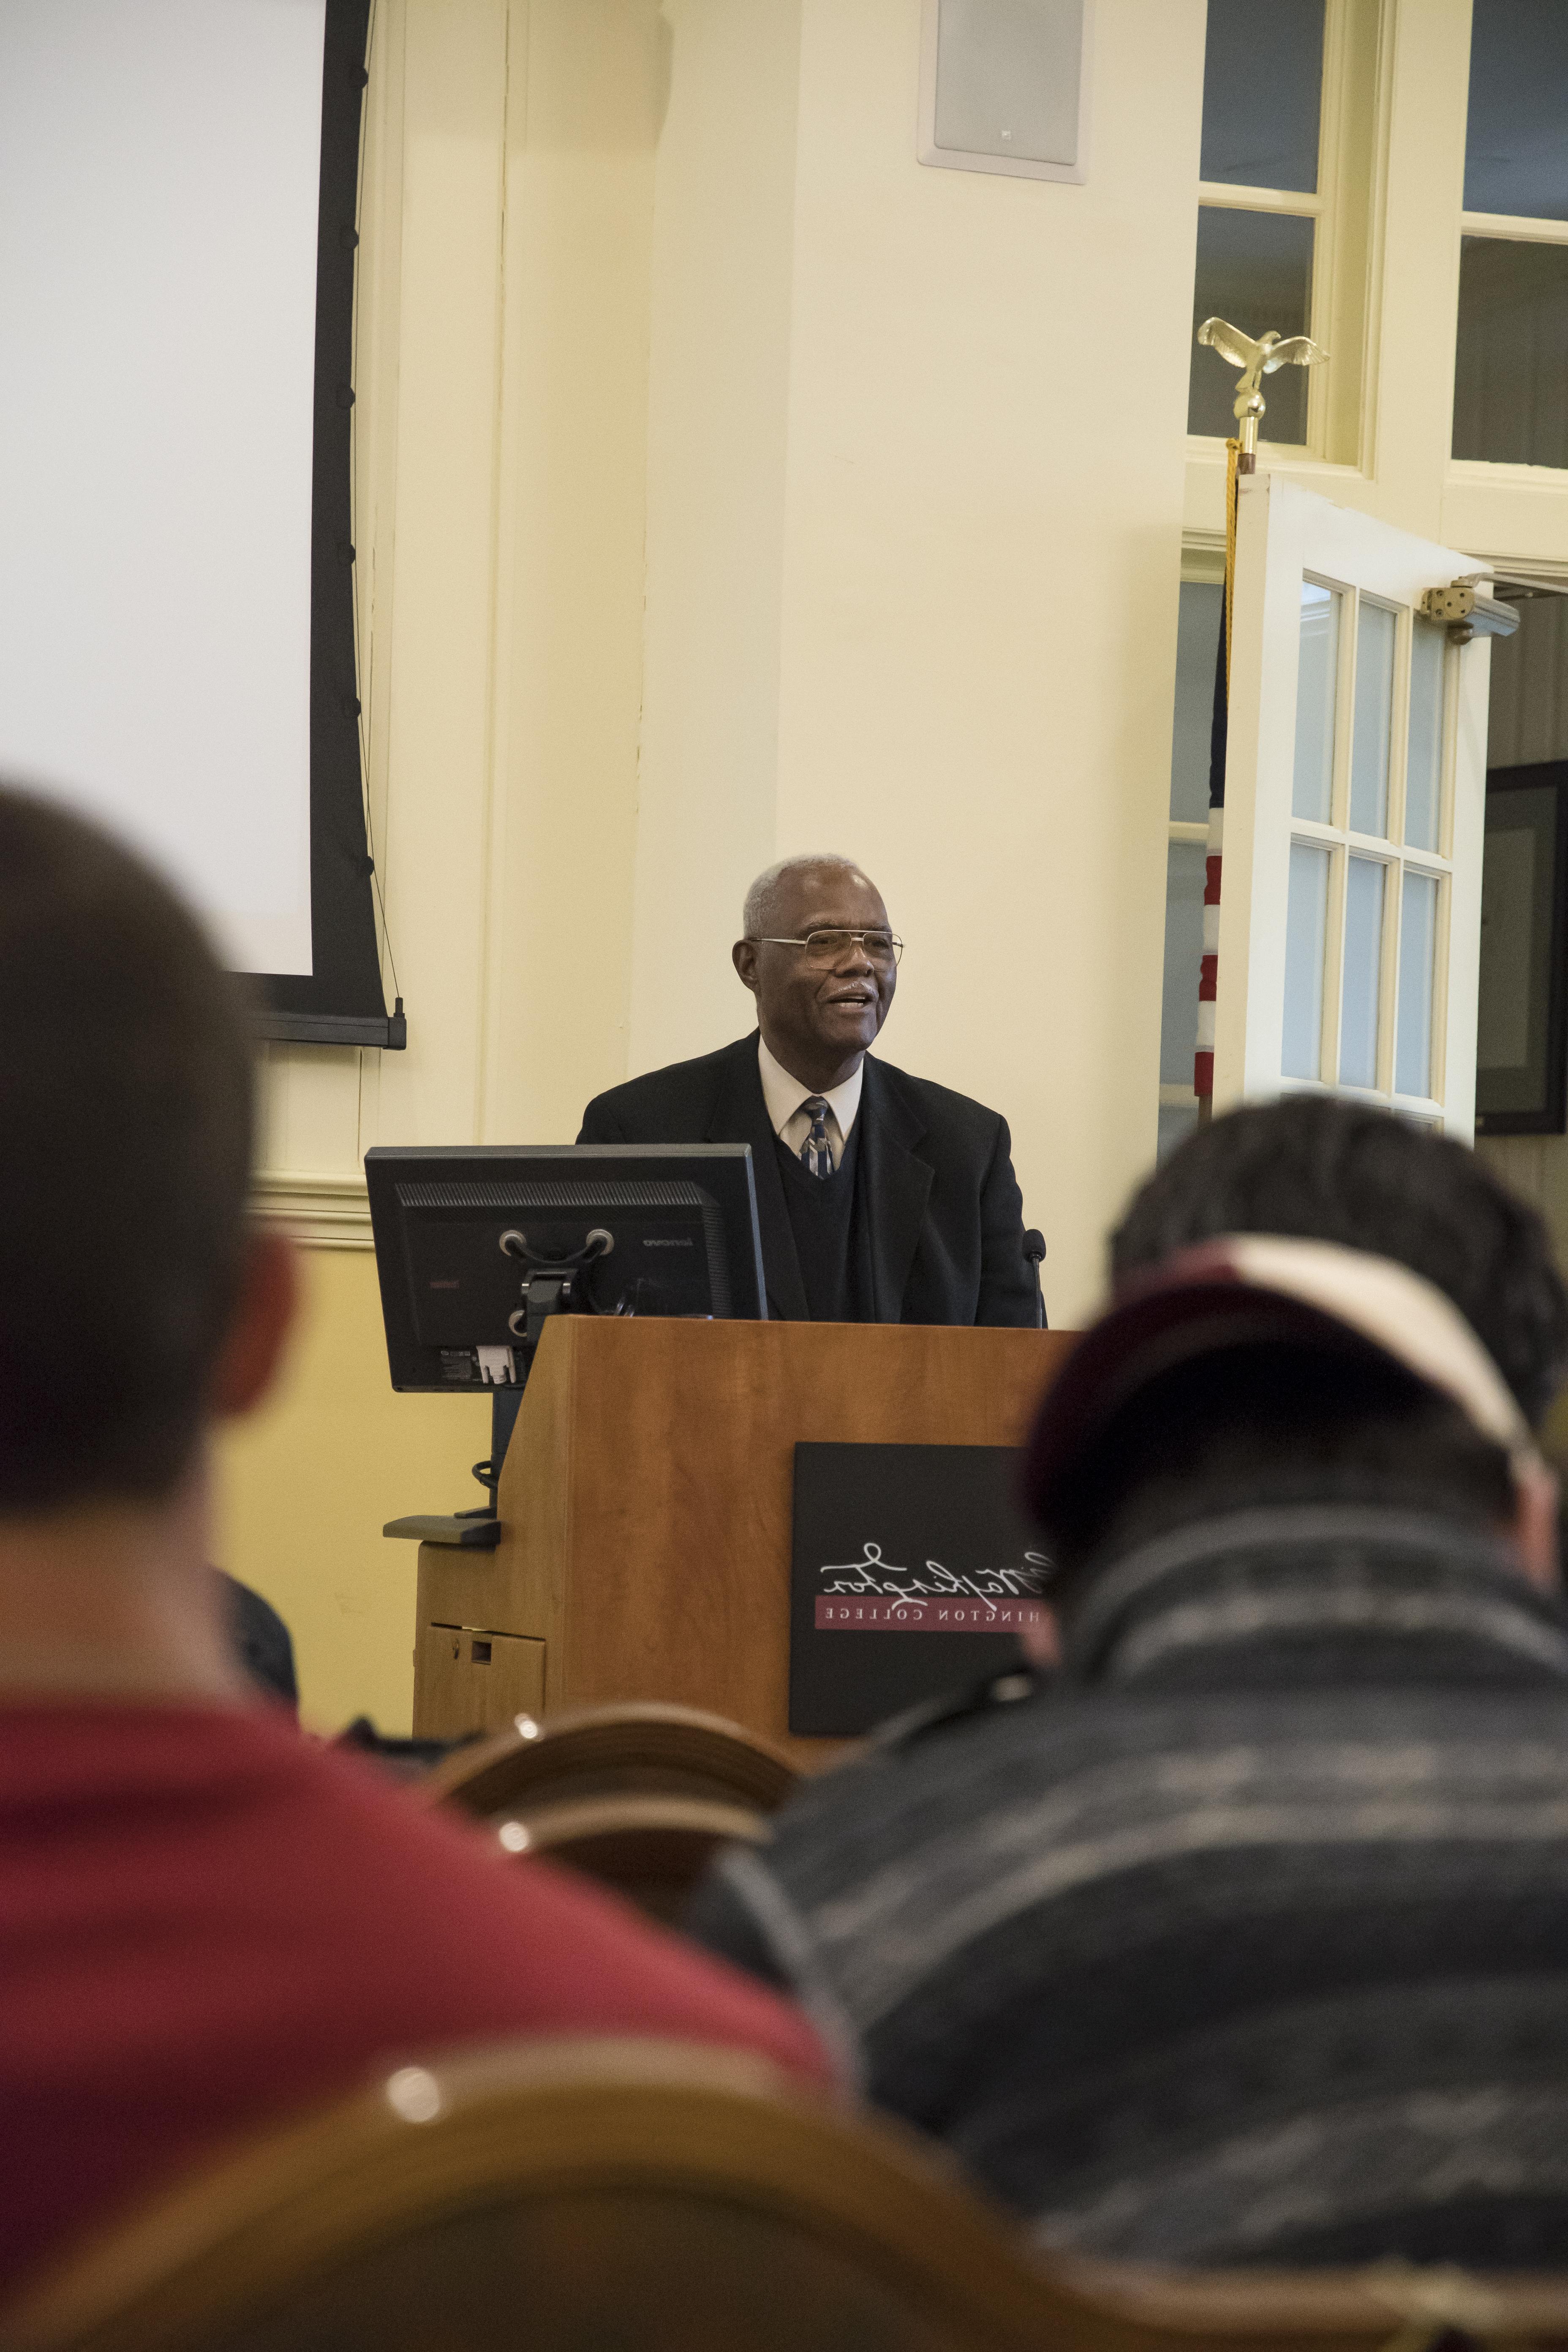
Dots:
(1337, 1171)
(125, 1130)
(1269, 1421)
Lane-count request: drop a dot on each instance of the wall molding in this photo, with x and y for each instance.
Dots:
(324, 1212)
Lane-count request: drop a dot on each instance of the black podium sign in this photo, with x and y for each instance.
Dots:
(913, 1572)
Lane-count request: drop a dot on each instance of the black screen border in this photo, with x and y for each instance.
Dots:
(340, 1001)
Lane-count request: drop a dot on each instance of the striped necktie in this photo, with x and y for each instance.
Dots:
(816, 1152)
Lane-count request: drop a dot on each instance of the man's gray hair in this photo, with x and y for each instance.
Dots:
(757, 914)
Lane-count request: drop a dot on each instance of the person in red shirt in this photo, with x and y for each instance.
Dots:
(206, 1921)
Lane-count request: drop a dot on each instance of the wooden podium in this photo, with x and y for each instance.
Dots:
(645, 1506)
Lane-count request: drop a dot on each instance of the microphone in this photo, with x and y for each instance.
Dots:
(1034, 1250)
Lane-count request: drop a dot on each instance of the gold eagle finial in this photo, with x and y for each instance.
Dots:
(1256, 357)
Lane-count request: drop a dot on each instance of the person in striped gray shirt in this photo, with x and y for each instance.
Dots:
(1240, 1933)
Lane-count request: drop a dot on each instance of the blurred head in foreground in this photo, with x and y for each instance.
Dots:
(212, 1925)
(138, 1304)
(1312, 1301)
(1326, 1171)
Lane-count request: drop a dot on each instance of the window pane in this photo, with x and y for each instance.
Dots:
(1516, 159)
(1312, 782)
(1255, 269)
(1510, 933)
(1417, 962)
(1263, 78)
(1373, 719)
(1517, 887)
(1184, 952)
(1306, 933)
(1510, 371)
(1363, 945)
(1197, 649)
(1424, 770)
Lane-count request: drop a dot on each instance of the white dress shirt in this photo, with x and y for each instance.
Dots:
(785, 1096)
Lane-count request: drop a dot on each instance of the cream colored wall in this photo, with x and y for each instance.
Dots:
(727, 484)
(719, 418)
(912, 560)
(305, 1485)
(567, 675)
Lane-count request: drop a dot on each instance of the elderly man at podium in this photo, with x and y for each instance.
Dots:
(881, 1198)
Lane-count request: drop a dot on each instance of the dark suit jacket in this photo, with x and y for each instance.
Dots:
(946, 1216)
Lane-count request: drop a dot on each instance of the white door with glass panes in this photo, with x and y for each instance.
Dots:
(1355, 791)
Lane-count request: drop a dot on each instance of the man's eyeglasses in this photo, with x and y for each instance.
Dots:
(882, 948)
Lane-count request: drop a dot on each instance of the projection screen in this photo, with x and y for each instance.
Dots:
(160, 181)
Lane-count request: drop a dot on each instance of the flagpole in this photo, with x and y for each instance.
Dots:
(1240, 458)
(1256, 359)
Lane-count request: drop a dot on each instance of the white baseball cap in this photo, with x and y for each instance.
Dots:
(1247, 1288)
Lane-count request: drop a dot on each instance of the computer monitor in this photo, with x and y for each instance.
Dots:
(478, 1245)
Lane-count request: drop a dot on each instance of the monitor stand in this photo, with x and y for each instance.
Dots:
(478, 1529)
(547, 1290)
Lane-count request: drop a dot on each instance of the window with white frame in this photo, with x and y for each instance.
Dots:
(1346, 121)
(1354, 830)
(1371, 833)
(1511, 371)
(1289, 110)
(1355, 784)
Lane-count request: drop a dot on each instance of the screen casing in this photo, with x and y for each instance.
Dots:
(684, 1218)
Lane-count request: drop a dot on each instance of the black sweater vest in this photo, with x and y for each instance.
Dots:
(830, 1241)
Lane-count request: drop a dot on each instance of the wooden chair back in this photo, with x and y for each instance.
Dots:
(651, 1849)
(585, 2197)
(640, 1797)
(631, 1748)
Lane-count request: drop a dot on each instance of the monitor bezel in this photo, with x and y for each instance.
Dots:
(723, 1170)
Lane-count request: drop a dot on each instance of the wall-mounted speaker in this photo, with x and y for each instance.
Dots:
(1005, 87)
